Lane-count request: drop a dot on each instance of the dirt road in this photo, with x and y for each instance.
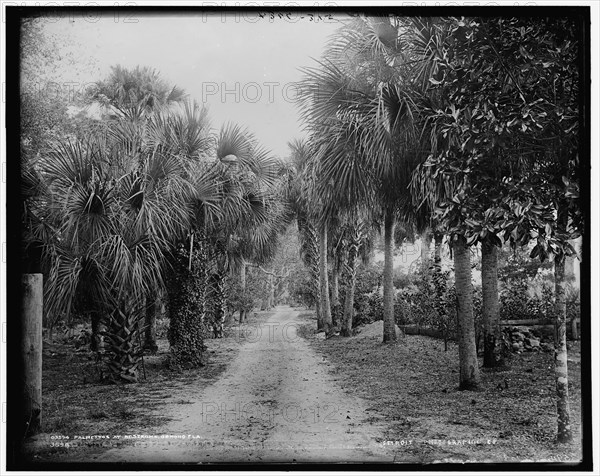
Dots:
(276, 402)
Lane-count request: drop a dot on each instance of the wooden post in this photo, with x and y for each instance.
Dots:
(31, 351)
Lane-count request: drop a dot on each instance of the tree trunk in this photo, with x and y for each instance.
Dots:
(218, 305)
(389, 326)
(467, 350)
(570, 284)
(312, 253)
(124, 340)
(188, 308)
(318, 311)
(317, 291)
(97, 340)
(569, 269)
(437, 255)
(31, 352)
(346, 330)
(490, 305)
(425, 248)
(272, 292)
(564, 434)
(324, 290)
(335, 293)
(243, 287)
(150, 324)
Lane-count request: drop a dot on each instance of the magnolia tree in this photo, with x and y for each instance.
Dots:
(502, 108)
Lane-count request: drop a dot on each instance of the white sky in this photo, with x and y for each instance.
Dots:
(226, 62)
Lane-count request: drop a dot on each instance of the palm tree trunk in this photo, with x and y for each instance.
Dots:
(316, 272)
(324, 281)
(425, 247)
(97, 340)
(312, 245)
(389, 326)
(188, 308)
(150, 324)
(467, 350)
(271, 301)
(437, 254)
(346, 330)
(564, 433)
(243, 287)
(219, 305)
(335, 293)
(123, 340)
(490, 305)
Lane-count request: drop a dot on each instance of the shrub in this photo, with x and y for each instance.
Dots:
(237, 299)
(402, 279)
(405, 312)
(516, 303)
(302, 289)
(430, 302)
(368, 302)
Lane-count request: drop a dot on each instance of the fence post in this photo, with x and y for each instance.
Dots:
(31, 351)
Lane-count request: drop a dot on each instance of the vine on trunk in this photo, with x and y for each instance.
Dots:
(187, 295)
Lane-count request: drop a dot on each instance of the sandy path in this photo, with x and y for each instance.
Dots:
(276, 402)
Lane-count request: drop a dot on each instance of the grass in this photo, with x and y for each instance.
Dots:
(412, 386)
(75, 403)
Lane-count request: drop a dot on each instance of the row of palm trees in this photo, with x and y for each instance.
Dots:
(450, 126)
(110, 207)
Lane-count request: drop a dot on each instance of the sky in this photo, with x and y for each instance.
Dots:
(241, 66)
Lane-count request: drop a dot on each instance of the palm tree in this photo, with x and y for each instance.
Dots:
(251, 237)
(361, 118)
(301, 156)
(139, 87)
(114, 216)
(118, 203)
(257, 242)
(309, 252)
(316, 218)
(350, 237)
(356, 237)
(324, 280)
(139, 109)
(243, 175)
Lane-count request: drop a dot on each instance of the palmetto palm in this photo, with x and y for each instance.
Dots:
(252, 212)
(354, 238)
(236, 177)
(118, 202)
(361, 109)
(314, 219)
(418, 54)
(140, 87)
(256, 240)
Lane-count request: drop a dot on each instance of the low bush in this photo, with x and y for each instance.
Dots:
(430, 303)
(516, 304)
(402, 279)
(368, 302)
